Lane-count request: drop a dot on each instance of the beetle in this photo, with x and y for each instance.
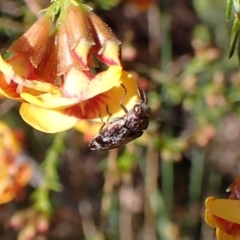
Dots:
(121, 131)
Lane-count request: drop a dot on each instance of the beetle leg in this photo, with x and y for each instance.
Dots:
(109, 114)
(122, 99)
(104, 123)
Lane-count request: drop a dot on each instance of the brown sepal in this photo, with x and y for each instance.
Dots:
(47, 69)
(65, 58)
(102, 30)
(33, 43)
(77, 26)
(235, 189)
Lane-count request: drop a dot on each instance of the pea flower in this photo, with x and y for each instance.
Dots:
(142, 5)
(15, 171)
(51, 70)
(223, 214)
(30, 223)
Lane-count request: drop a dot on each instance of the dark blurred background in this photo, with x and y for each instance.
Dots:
(155, 187)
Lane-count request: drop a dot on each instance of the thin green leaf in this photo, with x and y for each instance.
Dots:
(229, 9)
(238, 51)
(106, 4)
(236, 4)
(234, 37)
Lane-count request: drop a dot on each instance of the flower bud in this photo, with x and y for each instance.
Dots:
(109, 51)
(64, 57)
(27, 233)
(42, 223)
(33, 43)
(17, 219)
(79, 34)
(47, 69)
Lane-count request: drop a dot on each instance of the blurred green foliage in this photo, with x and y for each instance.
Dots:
(155, 187)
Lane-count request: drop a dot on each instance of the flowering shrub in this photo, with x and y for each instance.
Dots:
(51, 70)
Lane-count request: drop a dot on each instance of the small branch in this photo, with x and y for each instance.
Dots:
(111, 179)
(152, 168)
(125, 215)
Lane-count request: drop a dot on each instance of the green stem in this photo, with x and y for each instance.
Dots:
(50, 180)
(195, 188)
(229, 9)
(60, 7)
(167, 172)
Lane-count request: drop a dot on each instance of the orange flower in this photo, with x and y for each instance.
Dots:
(15, 172)
(51, 72)
(223, 214)
(142, 5)
(30, 223)
(50, 113)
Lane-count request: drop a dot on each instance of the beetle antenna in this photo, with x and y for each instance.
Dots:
(142, 95)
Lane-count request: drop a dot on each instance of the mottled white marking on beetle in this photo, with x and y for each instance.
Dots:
(123, 130)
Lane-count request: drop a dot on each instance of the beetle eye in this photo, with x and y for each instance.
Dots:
(137, 109)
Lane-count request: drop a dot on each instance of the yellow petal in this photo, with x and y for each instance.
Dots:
(8, 195)
(82, 51)
(37, 85)
(109, 53)
(9, 140)
(209, 200)
(76, 88)
(19, 65)
(226, 208)
(49, 101)
(6, 69)
(89, 129)
(23, 175)
(77, 84)
(221, 235)
(7, 87)
(209, 219)
(43, 94)
(111, 99)
(10, 91)
(104, 82)
(50, 121)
